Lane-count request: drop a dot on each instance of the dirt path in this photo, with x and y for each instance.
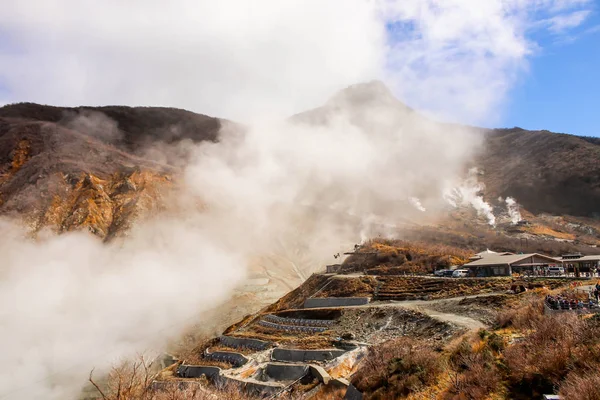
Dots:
(424, 306)
(461, 320)
(457, 319)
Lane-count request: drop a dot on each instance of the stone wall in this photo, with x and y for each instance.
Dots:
(299, 321)
(254, 344)
(292, 328)
(235, 359)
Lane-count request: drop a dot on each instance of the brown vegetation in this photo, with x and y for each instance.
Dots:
(397, 368)
(363, 286)
(554, 352)
(474, 371)
(421, 257)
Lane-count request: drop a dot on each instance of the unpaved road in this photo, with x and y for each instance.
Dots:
(460, 320)
(423, 306)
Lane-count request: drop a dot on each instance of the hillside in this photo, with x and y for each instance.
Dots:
(101, 167)
(376, 335)
(547, 172)
(94, 168)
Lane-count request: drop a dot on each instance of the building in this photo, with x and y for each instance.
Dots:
(577, 263)
(486, 253)
(504, 264)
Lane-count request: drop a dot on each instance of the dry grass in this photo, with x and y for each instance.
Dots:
(397, 368)
(547, 231)
(555, 351)
(295, 298)
(474, 373)
(415, 256)
(523, 316)
(584, 385)
(350, 287)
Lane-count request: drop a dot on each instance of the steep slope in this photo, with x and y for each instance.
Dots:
(65, 180)
(547, 172)
(100, 167)
(92, 168)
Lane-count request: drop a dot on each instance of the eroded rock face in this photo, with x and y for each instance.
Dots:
(98, 176)
(105, 207)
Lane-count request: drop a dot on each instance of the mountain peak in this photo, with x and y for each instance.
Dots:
(372, 93)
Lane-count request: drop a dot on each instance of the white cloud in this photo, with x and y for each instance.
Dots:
(228, 58)
(561, 23)
(239, 59)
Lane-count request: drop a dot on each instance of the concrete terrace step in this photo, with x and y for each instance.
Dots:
(251, 386)
(283, 372)
(301, 355)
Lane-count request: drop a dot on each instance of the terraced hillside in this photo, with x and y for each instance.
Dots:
(295, 349)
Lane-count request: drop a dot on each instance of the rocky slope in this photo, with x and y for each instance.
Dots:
(93, 168)
(100, 168)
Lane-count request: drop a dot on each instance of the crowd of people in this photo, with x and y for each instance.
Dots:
(560, 302)
(571, 302)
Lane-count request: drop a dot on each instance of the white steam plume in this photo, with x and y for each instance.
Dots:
(417, 204)
(468, 193)
(69, 300)
(512, 207)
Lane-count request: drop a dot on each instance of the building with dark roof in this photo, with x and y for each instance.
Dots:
(504, 264)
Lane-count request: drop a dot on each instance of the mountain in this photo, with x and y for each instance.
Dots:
(90, 167)
(547, 172)
(100, 168)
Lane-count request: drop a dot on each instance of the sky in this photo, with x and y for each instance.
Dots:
(560, 92)
(496, 63)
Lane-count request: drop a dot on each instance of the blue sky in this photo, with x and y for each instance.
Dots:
(561, 90)
(53, 57)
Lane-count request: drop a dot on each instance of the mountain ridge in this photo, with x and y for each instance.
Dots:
(48, 152)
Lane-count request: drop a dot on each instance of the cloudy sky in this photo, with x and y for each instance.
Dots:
(530, 63)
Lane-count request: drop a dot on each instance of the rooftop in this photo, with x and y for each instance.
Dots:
(505, 259)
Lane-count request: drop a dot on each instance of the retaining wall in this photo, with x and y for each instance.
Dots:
(285, 372)
(291, 328)
(299, 355)
(299, 321)
(254, 344)
(336, 302)
(196, 371)
(236, 359)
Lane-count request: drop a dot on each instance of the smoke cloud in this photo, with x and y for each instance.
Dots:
(470, 193)
(291, 191)
(512, 207)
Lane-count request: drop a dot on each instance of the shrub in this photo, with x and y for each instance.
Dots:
(397, 368)
(539, 363)
(525, 316)
(584, 385)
